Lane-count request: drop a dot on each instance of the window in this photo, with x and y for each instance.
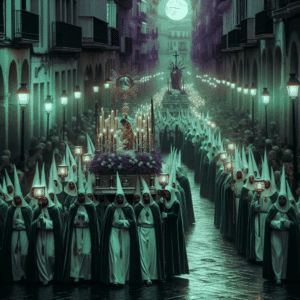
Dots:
(111, 13)
(144, 27)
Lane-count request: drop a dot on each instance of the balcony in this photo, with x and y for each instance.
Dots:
(114, 37)
(234, 39)
(285, 8)
(263, 26)
(248, 33)
(95, 33)
(126, 46)
(125, 4)
(66, 37)
(26, 27)
(142, 37)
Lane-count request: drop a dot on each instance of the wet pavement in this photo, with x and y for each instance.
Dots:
(216, 272)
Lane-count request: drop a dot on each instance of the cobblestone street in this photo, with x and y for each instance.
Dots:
(216, 272)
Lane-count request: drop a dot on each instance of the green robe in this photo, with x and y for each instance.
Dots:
(183, 207)
(204, 180)
(250, 250)
(293, 263)
(6, 264)
(93, 225)
(100, 217)
(3, 214)
(175, 249)
(242, 223)
(69, 201)
(185, 184)
(135, 275)
(212, 171)
(218, 187)
(32, 270)
(158, 235)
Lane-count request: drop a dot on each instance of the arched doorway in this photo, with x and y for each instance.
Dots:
(13, 111)
(88, 88)
(25, 78)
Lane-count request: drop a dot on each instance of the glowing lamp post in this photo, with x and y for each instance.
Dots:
(86, 160)
(231, 147)
(78, 150)
(228, 82)
(77, 95)
(48, 108)
(64, 102)
(213, 125)
(23, 98)
(246, 89)
(253, 91)
(223, 157)
(293, 90)
(259, 186)
(208, 123)
(239, 88)
(266, 99)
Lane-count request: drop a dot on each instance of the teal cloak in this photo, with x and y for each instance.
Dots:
(185, 184)
(183, 207)
(135, 275)
(32, 270)
(6, 264)
(158, 236)
(175, 249)
(3, 214)
(93, 225)
(293, 263)
(218, 187)
(69, 201)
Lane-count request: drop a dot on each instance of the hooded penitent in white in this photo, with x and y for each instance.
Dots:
(4, 189)
(53, 170)
(10, 196)
(51, 190)
(250, 173)
(255, 168)
(169, 204)
(266, 177)
(89, 188)
(71, 178)
(283, 192)
(90, 146)
(146, 191)
(19, 239)
(120, 192)
(273, 182)
(81, 189)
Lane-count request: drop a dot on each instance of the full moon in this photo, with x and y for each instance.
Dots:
(176, 9)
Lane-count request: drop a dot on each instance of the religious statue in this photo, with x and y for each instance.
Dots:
(176, 73)
(127, 135)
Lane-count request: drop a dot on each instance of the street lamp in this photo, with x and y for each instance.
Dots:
(23, 97)
(246, 89)
(48, 108)
(228, 82)
(253, 91)
(266, 99)
(77, 95)
(64, 102)
(293, 89)
(96, 90)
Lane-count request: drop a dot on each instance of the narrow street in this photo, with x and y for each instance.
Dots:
(216, 272)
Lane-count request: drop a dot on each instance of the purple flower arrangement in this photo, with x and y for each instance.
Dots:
(144, 163)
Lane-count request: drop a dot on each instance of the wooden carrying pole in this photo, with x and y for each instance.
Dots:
(258, 195)
(164, 234)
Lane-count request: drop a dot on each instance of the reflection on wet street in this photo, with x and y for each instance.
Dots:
(216, 272)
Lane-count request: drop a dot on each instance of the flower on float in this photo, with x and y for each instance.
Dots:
(99, 159)
(148, 164)
(150, 167)
(102, 164)
(109, 166)
(150, 157)
(120, 167)
(120, 157)
(113, 155)
(153, 161)
(109, 159)
(112, 163)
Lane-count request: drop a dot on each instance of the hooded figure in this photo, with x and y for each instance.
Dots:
(3, 213)
(244, 204)
(56, 181)
(33, 202)
(120, 253)
(45, 256)
(70, 188)
(282, 244)
(137, 193)
(175, 249)
(10, 189)
(150, 236)
(16, 237)
(82, 239)
(99, 208)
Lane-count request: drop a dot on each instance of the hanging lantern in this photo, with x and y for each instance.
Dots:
(78, 150)
(229, 166)
(259, 186)
(265, 96)
(87, 158)
(38, 192)
(163, 180)
(62, 171)
(293, 86)
(231, 147)
(223, 156)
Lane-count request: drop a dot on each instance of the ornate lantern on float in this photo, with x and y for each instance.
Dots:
(231, 147)
(39, 192)
(223, 157)
(163, 180)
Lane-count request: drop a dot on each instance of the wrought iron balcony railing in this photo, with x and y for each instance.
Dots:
(26, 26)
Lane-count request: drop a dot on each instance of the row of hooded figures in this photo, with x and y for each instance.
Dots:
(42, 240)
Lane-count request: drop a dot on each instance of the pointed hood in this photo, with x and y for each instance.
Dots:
(248, 185)
(273, 182)
(71, 179)
(4, 189)
(43, 177)
(255, 168)
(17, 191)
(283, 192)
(119, 192)
(90, 146)
(173, 197)
(58, 188)
(238, 167)
(70, 159)
(145, 191)
(50, 202)
(245, 162)
(266, 177)
(81, 189)
(89, 188)
(51, 188)
(290, 196)
(137, 187)
(10, 196)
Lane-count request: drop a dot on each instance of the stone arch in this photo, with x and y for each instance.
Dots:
(88, 88)
(13, 115)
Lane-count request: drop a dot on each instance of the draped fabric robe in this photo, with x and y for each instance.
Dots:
(47, 265)
(3, 214)
(15, 243)
(282, 247)
(150, 241)
(110, 270)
